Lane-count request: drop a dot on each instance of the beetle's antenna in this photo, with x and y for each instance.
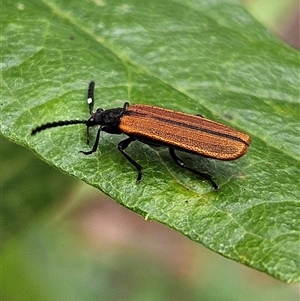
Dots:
(90, 101)
(55, 124)
(90, 97)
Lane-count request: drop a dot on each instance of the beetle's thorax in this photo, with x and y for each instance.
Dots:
(109, 117)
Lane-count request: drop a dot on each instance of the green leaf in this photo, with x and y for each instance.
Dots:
(20, 170)
(192, 56)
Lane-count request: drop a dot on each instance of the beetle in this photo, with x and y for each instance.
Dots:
(161, 127)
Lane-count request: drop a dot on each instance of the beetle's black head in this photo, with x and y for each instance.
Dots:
(108, 120)
(109, 117)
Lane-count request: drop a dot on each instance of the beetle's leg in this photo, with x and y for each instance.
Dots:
(123, 145)
(87, 135)
(95, 144)
(179, 162)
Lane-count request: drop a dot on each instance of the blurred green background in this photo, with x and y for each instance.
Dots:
(64, 240)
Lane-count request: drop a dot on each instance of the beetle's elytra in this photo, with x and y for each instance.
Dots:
(162, 127)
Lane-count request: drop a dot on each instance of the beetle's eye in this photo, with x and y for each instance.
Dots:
(99, 110)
